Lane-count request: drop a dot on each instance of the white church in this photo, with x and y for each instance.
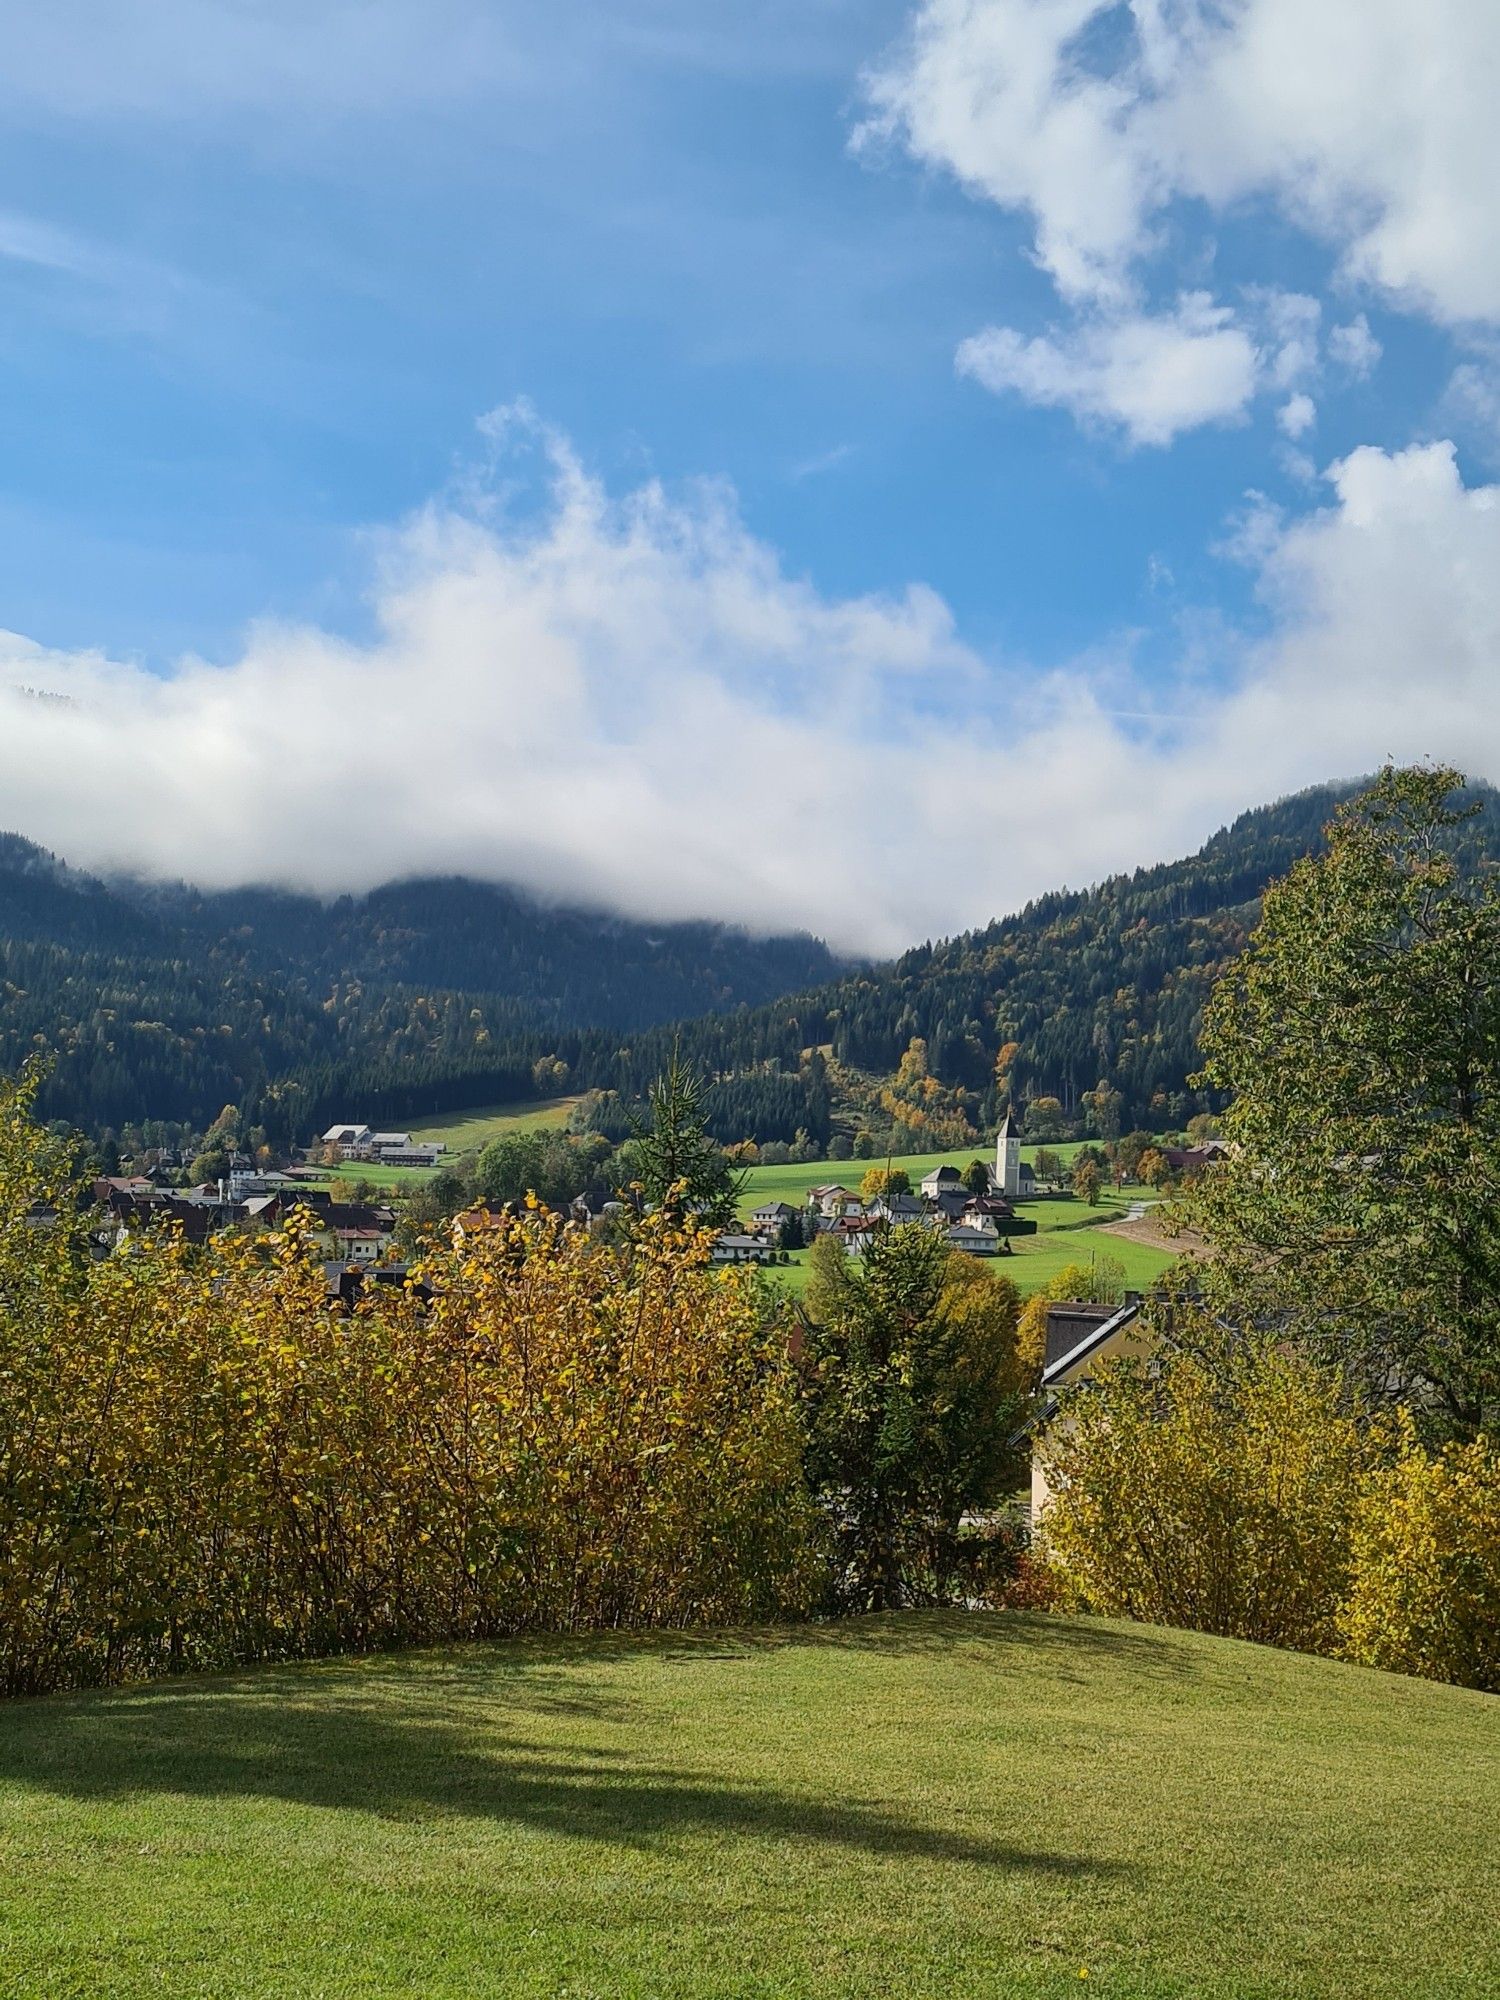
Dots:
(1007, 1176)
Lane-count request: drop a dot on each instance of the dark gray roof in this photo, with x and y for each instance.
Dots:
(1077, 1328)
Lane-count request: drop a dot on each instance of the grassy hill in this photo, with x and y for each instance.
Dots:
(928, 1805)
(463, 1132)
(470, 1131)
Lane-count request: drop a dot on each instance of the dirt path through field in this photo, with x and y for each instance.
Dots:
(1148, 1229)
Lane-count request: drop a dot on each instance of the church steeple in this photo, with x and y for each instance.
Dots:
(1008, 1159)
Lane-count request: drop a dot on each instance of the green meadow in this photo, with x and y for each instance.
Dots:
(1068, 1230)
(468, 1131)
(791, 1183)
(980, 1807)
(464, 1132)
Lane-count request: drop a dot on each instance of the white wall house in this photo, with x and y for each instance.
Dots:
(980, 1239)
(732, 1248)
(348, 1138)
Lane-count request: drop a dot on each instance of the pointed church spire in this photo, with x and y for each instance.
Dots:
(1008, 1158)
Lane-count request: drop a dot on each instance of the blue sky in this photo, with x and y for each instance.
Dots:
(1058, 313)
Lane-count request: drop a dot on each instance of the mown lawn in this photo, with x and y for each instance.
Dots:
(927, 1805)
(1036, 1261)
(395, 1180)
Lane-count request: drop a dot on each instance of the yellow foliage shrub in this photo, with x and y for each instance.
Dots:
(1425, 1592)
(200, 1462)
(1214, 1491)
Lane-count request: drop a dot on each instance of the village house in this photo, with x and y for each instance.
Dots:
(385, 1149)
(945, 1180)
(479, 1221)
(348, 1283)
(1079, 1336)
(993, 1206)
(832, 1204)
(897, 1209)
(855, 1232)
(734, 1248)
(355, 1231)
(419, 1153)
(773, 1216)
(980, 1239)
(358, 1243)
(139, 1185)
(1191, 1160)
(951, 1201)
(126, 1210)
(242, 1183)
(348, 1138)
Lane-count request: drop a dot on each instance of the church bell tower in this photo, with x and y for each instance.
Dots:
(1008, 1160)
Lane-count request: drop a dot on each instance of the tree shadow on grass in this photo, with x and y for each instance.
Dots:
(312, 1740)
(1061, 1647)
(1064, 1649)
(1039, 1638)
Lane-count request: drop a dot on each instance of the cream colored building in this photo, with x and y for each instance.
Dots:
(1079, 1337)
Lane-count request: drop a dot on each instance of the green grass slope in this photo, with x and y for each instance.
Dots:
(463, 1133)
(469, 1131)
(929, 1805)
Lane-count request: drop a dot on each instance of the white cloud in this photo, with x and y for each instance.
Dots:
(1369, 122)
(1290, 323)
(1297, 415)
(630, 701)
(1387, 639)
(1154, 375)
(1354, 348)
(989, 92)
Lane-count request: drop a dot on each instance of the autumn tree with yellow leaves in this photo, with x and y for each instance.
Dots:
(201, 1462)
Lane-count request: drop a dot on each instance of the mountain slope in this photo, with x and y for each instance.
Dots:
(1104, 986)
(426, 997)
(168, 1002)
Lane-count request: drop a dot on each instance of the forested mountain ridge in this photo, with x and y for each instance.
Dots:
(168, 1003)
(1080, 989)
(165, 1002)
(1091, 998)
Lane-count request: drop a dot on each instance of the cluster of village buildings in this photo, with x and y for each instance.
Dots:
(361, 1235)
(979, 1223)
(382, 1149)
(357, 1239)
(346, 1232)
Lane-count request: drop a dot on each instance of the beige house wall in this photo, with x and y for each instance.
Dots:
(1130, 1339)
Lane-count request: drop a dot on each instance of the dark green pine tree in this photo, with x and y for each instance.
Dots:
(677, 1163)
